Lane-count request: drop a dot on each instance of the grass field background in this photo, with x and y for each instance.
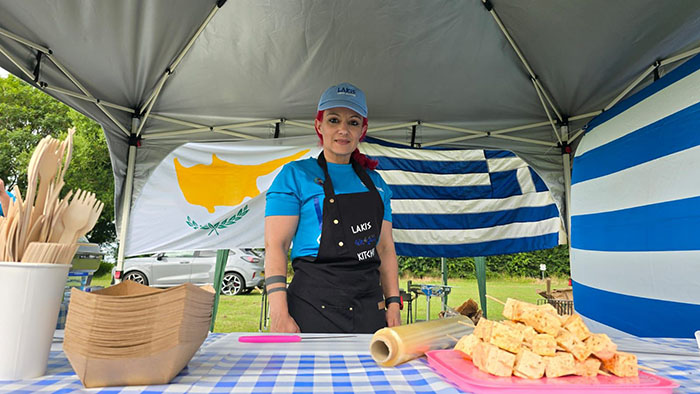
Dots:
(242, 313)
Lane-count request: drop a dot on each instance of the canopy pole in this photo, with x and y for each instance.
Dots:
(216, 129)
(221, 259)
(175, 121)
(44, 85)
(87, 98)
(148, 105)
(126, 197)
(631, 86)
(458, 129)
(680, 56)
(443, 263)
(299, 124)
(504, 137)
(80, 86)
(480, 267)
(584, 116)
(546, 111)
(654, 67)
(236, 134)
(489, 7)
(14, 61)
(566, 162)
(23, 41)
(392, 127)
(577, 134)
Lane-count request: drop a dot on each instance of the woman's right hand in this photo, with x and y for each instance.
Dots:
(283, 323)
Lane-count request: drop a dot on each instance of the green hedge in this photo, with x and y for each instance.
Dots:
(105, 268)
(519, 264)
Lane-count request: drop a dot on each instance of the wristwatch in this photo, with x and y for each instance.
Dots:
(395, 299)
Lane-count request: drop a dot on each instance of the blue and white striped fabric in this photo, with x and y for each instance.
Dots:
(635, 211)
(457, 203)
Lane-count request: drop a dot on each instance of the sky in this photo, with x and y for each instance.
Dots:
(3, 73)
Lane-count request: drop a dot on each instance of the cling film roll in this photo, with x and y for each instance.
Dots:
(391, 346)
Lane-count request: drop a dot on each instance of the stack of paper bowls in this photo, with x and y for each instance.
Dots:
(130, 334)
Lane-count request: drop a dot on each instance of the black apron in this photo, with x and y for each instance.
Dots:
(339, 290)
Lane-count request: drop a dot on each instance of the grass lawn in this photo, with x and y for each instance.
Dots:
(242, 313)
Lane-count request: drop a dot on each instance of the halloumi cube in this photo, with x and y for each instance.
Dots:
(580, 351)
(577, 327)
(481, 353)
(489, 358)
(544, 345)
(549, 308)
(587, 367)
(500, 362)
(601, 346)
(528, 332)
(514, 308)
(622, 364)
(566, 339)
(466, 345)
(506, 338)
(483, 329)
(528, 365)
(561, 364)
(568, 342)
(541, 321)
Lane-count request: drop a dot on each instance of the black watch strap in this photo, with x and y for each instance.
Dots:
(395, 299)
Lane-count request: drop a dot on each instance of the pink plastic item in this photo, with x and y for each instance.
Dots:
(269, 338)
(462, 373)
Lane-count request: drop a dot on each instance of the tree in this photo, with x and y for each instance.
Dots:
(26, 116)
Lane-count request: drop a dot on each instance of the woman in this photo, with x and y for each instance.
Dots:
(5, 198)
(335, 209)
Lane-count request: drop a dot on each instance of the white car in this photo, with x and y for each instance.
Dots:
(244, 269)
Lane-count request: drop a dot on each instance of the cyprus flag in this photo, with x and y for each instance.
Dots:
(210, 195)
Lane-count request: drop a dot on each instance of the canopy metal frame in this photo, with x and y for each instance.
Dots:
(140, 115)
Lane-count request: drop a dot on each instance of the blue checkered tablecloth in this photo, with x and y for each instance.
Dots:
(216, 369)
(223, 365)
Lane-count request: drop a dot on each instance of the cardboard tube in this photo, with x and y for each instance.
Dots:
(391, 346)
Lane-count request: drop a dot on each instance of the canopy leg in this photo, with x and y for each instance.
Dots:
(221, 259)
(444, 283)
(127, 190)
(480, 265)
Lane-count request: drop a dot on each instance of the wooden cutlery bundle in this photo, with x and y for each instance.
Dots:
(42, 226)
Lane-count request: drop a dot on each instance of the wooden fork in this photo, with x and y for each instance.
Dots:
(95, 211)
(76, 215)
(46, 168)
(56, 226)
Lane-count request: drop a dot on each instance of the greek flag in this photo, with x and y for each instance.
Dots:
(458, 203)
(635, 211)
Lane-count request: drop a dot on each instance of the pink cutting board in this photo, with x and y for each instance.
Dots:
(467, 377)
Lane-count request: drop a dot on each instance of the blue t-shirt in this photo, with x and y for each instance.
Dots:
(297, 191)
(12, 196)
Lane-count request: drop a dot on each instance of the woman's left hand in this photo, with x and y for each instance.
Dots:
(393, 315)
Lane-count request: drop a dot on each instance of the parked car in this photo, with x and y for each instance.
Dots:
(87, 257)
(244, 269)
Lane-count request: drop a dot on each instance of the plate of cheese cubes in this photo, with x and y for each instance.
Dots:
(536, 349)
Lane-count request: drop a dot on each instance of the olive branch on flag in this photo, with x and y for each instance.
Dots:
(220, 225)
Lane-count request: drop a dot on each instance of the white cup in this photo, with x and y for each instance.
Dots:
(30, 297)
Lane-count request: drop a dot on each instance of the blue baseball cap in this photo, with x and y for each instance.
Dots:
(344, 95)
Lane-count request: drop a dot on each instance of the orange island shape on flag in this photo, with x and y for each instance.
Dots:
(222, 183)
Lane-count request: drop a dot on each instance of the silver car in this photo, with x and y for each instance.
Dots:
(244, 269)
